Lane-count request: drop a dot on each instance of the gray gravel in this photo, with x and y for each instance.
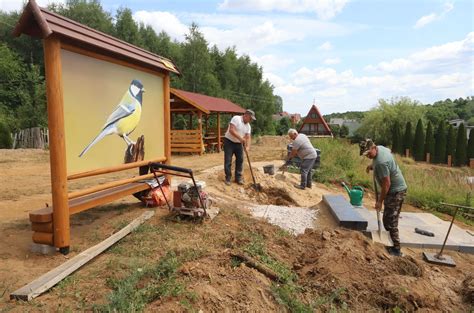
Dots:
(293, 219)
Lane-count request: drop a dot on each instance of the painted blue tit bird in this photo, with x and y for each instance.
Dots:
(125, 118)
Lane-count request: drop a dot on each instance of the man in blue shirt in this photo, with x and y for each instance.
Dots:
(393, 189)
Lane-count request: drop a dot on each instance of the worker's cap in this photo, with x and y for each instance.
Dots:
(365, 146)
(251, 113)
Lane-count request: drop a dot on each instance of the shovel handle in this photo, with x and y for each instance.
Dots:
(250, 165)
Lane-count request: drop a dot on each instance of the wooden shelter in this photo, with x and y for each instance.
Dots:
(314, 124)
(62, 36)
(199, 110)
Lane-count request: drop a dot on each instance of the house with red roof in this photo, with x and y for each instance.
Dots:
(314, 124)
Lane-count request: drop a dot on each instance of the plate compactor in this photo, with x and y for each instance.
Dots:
(190, 199)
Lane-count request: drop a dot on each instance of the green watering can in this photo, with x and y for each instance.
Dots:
(355, 194)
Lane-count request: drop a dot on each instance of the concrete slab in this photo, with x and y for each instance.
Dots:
(344, 213)
(459, 239)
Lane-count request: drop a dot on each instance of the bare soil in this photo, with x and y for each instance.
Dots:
(335, 269)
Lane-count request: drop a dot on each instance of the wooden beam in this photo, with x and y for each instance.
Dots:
(57, 143)
(218, 132)
(51, 278)
(167, 118)
(112, 169)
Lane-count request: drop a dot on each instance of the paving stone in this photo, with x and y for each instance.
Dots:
(344, 212)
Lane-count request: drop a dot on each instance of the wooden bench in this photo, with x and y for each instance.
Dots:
(42, 219)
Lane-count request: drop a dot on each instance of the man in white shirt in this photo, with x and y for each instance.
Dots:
(236, 139)
(305, 151)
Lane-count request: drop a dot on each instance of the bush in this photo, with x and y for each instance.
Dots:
(461, 146)
(5, 137)
(419, 143)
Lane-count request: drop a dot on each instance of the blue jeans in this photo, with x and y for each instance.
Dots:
(306, 171)
(231, 148)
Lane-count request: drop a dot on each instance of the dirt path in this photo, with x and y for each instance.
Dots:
(324, 269)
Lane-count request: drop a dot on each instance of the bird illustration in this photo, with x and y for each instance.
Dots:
(125, 118)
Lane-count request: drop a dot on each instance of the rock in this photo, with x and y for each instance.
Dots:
(326, 235)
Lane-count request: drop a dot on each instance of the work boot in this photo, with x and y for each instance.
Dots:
(394, 251)
(240, 182)
(227, 182)
(299, 186)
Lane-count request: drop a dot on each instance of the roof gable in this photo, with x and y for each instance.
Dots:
(315, 117)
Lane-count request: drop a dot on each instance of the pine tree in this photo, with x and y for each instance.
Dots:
(407, 138)
(396, 140)
(440, 145)
(461, 146)
(429, 142)
(419, 143)
(5, 137)
(451, 143)
(470, 147)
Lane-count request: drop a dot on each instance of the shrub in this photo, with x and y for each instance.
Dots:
(5, 137)
(461, 146)
(419, 143)
(408, 138)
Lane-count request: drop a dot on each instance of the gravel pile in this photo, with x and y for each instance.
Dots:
(292, 219)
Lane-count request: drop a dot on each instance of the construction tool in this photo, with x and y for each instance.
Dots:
(439, 258)
(379, 235)
(256, 186)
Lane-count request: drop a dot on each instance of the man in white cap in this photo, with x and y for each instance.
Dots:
(236, 139)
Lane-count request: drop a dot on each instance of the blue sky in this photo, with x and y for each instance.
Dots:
(343, 54)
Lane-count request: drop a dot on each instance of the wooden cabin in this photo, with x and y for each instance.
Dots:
(199, 122)
(314, 124)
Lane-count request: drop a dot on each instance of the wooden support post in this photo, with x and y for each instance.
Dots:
(450, 161)
(218, 132)
(428, 158)
(200, 131)
(471, 162)
(57, 143)
(167, 118)
(407, 153)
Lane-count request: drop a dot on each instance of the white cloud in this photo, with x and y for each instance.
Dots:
(331, 93)
(325, 9)
(326, 46)
(17, 5)
(162, 21)
(427, 19)
(271, 62)
(332, 61)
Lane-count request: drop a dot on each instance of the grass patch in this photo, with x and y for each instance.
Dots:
(147, 284)
(287, 295)
(428, 185)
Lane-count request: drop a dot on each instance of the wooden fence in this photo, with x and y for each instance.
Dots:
(31, 138)
(187, 141)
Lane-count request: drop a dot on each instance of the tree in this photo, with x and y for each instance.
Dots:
(397, 145)
(283, 125)
(419, 142)
(429, 142)
(5, 137)
(335, 129)
(451, 143)
(126, 28)
(408, 138)
(440, 144)
(461, 146)
(344, 131)
(378, 122)
(470, 147)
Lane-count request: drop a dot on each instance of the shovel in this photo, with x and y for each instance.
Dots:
(256, 186)
(379, 236)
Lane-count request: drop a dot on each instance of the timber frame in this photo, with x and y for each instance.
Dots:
(51, 225)
(202, 137)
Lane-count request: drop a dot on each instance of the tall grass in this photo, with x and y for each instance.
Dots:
(428, 185)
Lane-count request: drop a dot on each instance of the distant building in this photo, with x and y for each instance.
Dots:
(294, 117)
(351, 124)
(315, 125)
(457, 122)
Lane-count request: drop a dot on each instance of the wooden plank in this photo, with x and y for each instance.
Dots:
(43, 238)
(80, 193)
(186, 145)
(112, 169)
(44, 215)
(106, 196)
(57, 145)
(185, 150)
(51, 278)
(42, 227)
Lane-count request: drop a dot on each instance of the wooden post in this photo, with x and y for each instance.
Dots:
(57, 145)
(190, 121)
(200, 130)
(218, 132)
(471, 162)
(167, 118)
(407, 153)
(449, 161)
(427, 158)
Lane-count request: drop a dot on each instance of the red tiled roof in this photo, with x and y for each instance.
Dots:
(211, 104)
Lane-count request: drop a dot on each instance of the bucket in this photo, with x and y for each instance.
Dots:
(269, 169)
